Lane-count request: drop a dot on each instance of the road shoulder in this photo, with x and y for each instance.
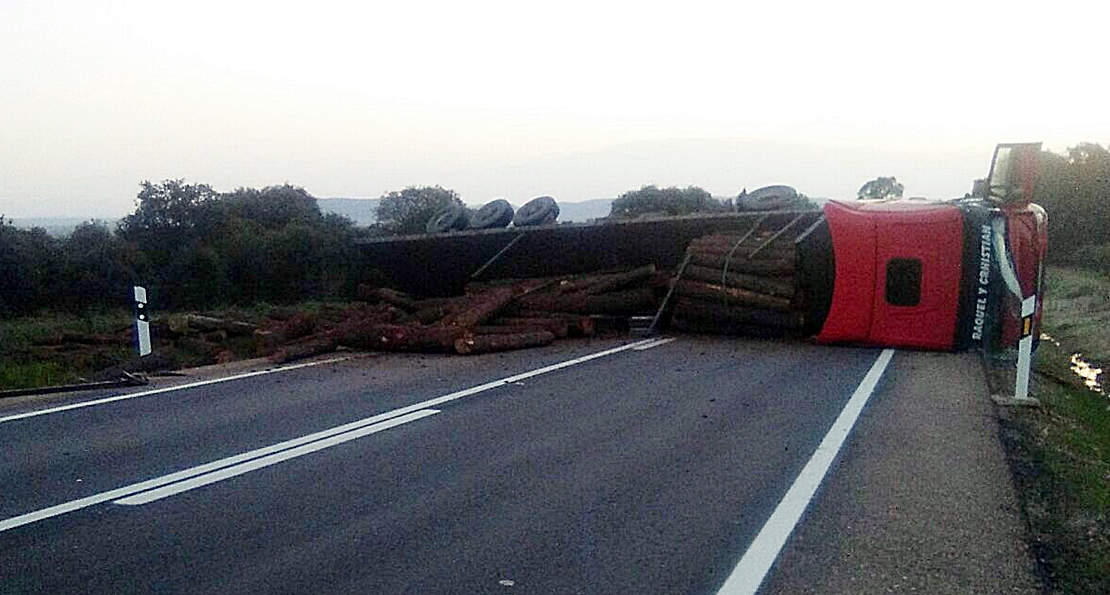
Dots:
(922, 499)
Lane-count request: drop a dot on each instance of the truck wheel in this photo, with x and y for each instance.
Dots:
(537, 211)
(492, 215)
(768, 198)
(452, 217)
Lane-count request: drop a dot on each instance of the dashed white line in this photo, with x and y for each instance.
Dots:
(655, 343)
(750, 572)
(151, 484)
(266, 461)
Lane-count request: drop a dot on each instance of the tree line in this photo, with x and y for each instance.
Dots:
(1074, 188)
(190, 246)
(195, 247)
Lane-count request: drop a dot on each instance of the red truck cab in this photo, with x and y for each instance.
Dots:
(937, 275)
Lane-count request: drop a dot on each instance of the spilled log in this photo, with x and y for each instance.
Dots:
(482, 307)
(398, 337)
(627, 302)
(474, 344)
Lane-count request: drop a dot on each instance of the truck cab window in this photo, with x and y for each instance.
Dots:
(903, 282)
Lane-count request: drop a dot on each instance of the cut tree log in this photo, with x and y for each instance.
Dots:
(481, 308)
(307, 347)
(769, 267)
(578, 325)
(775, 286)
(774, 252)
(208, 324)
(510, 329)
(474, 344)
(731, 295)
(397, 337)
(597, 284)
(404, 301)
(627, 302)
(697, 310)
(558, 327)
(301, 324)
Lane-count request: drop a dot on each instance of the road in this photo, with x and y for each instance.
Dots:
(590, 467)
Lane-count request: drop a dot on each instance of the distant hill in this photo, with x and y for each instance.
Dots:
(360, 210)
(58, 227)
(580, 212)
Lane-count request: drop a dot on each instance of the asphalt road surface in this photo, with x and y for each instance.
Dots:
(588, 467)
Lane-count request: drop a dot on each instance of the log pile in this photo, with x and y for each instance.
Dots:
(489, 317)
(739, 283)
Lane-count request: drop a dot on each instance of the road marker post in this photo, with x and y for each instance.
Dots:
(142, 321)
(1025, 359)
(1025, 348)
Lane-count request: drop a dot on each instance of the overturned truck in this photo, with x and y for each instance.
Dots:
(939, 275)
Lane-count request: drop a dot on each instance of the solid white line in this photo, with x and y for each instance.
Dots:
(749, 573)
(654, 344)
(285, 455)
(156, 391)
(125, 491)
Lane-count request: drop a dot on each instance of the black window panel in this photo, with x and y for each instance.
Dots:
(903, 282)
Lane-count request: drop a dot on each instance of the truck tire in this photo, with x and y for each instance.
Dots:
(537, 211)
(768, 198)
(451, 218)
(494, 214)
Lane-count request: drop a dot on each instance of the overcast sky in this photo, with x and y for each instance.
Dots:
(574, 99)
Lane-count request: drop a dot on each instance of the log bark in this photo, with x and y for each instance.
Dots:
(555, 326)
(301, 324)
(577, 324)
(627, 302)
(310, 346)
(510, 329)
(481, 308)
(774, 286)
(208, 324)
(730, 295)
(390, 296)
(774, 252)
(768, 267)
(697, 310)
(599, 284)
(398, 337)
(475, 344)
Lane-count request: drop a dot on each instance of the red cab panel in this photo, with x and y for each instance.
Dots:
(853, 240)
(899, 267)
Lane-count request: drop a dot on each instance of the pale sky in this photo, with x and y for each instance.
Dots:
(574, 99)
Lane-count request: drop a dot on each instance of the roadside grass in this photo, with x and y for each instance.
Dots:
(28, 359)
(1077, 311)
(32, 354)
(1060, 452)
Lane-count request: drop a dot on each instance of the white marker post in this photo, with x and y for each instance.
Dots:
(1025, 349)
(142, 322)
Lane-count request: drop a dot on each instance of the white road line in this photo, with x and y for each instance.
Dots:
(129, 490)
(156, 391)
(285, 455)
(749, 573)
(655, 343)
